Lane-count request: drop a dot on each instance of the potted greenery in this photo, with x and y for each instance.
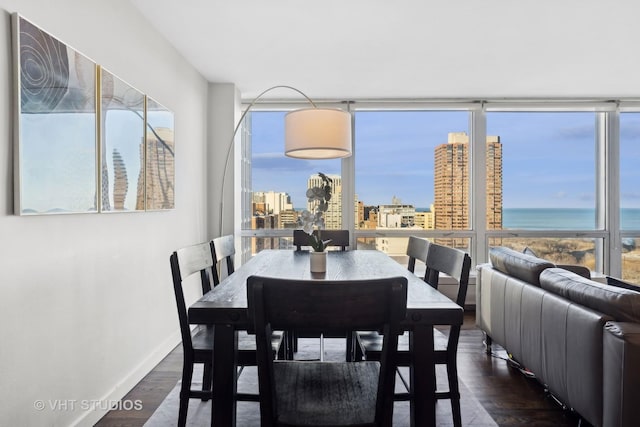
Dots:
(318, 197)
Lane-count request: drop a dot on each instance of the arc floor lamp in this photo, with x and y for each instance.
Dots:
(310, 133)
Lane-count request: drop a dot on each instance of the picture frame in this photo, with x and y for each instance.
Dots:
(160, 157)
(55, 140)
(122, 145)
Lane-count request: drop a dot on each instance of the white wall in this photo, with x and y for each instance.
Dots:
(86, 301)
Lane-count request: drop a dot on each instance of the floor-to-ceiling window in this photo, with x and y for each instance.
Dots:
(549, 170)
(543, 174)
(630, 195)
(411, 175)
(278, 184)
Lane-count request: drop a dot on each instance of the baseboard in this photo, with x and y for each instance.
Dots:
(124, 386)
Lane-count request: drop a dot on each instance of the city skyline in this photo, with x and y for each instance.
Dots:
(536, 147)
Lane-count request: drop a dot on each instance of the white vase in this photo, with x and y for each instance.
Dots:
(318, 262)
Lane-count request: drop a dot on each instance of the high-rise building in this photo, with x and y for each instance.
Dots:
(157, 189)
(396, 215)
(451, 183)
(275, 202)
(288, 219)
(333, 215)
(120, 181)
(494, 183)
(425, 220)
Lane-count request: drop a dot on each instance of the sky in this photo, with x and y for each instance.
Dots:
(58, 157)
(548, 158)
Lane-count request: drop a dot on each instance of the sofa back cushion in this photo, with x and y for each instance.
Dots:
(612, 281)
(620, 303)
(522, 266)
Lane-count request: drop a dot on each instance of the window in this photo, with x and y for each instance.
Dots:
(413, 170)
(548, 169)
(279, 183)
(630, 195)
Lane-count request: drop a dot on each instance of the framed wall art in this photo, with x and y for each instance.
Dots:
(85, 140)
(56, 145)
(160, 157)
(122, 142)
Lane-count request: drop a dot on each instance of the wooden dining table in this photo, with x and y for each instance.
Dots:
(225, 307)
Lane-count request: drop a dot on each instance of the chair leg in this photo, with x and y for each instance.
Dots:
(282, 350)
(207, 377)
(350, 347)
(289, 339)
(487, 340)
(454, 391)
(185, 389)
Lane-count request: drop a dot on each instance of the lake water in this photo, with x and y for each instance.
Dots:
(563, 219)
(559, 219)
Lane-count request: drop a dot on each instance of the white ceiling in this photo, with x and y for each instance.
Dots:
(391, 49)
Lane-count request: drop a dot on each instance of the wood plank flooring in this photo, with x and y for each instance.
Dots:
(509, 397)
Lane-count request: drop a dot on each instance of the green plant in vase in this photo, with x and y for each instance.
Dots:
(318, 197)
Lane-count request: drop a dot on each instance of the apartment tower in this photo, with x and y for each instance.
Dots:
(451, 192)
(333, 215)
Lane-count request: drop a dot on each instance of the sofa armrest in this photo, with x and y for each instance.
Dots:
(621, 374)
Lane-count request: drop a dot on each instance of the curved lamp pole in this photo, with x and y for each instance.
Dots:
(311, 133)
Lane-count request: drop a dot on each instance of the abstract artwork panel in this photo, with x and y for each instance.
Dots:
(160, 157)
(122, 144)
(56, 149)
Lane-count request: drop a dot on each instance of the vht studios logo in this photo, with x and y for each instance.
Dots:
(87, 405)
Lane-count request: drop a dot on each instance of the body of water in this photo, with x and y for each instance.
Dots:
(559, 219)
(562, 219)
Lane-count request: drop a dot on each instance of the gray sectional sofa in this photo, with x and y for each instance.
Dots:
(579, 337)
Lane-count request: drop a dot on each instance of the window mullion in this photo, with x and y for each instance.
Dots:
(611, 154)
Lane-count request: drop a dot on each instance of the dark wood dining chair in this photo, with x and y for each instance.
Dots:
(417, 250)
(223, 250)
(197, 344)
(339, 238)
(310, 393)
(456, 264)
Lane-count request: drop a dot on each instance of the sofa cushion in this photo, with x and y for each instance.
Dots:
(522, 266)
(612, 281)
(619, 303)
(578, 269)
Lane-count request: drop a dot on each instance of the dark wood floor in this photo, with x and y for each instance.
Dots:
(507, 395)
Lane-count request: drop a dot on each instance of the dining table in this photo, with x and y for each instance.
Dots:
(225, 307)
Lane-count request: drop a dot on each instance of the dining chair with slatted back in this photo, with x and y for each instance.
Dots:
(455, 264)
(314, 393)
(339, 238)
(223, 250)
(417, 250)
(197, 344)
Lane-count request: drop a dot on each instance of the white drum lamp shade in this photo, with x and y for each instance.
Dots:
(317, 133)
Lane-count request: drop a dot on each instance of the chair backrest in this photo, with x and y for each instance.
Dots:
(184, 263)
(417, 249)
(452, 262)
(276, 304)
(222, 249)
(455, 263)
(338, 238)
